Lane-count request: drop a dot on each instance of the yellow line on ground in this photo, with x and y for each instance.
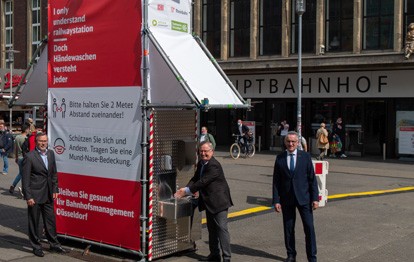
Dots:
(243, 212)
(378, 192)
(337, 196)
(248, 211)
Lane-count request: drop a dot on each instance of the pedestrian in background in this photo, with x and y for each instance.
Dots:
(322, 142)
(40, 189)
(284, 129)
(30, 123)
(214, 198)
(206, 137)
(6, 146)
(295, 187)
(339, 134)
(18, 156)
(302, 145)
(32, 136)
(242, 130)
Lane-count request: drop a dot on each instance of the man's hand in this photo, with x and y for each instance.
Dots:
(55, 195)
(180, 193)
(278, 208)
(30, 202)
(315, 205)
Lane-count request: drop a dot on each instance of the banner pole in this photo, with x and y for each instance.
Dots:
(144, 105)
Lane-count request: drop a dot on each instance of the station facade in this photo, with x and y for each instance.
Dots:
(354, 66)
(23, 25)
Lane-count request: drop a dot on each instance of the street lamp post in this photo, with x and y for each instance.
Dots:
(10, 52)
(300, 9)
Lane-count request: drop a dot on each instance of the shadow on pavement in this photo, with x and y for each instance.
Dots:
(14, 218)
(243, 250)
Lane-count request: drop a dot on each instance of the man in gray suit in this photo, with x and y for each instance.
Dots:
(215, 198)
(40, 189)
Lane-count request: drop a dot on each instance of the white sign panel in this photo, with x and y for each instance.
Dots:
(96, 128)
(403, 119)
(406, 140)
(357, 84)
(170, 14)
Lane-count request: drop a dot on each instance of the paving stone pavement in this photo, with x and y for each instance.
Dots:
(14, 244)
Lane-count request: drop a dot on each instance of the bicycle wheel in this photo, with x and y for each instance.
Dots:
(252, 150)
(235, 151)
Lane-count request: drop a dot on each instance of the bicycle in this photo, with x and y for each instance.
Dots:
(236, 147)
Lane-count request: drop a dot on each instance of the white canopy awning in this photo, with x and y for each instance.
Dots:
(182, 73)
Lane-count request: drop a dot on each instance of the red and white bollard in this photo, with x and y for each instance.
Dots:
(321, 170)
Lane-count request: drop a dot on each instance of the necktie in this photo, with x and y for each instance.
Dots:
(292, 163)
(201, 170)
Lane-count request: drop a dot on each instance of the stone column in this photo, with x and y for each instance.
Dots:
(197, 23)
(254, 28)
(286, 18)
(398, 25)
(225, 29)
(320, 26)
(357, 27)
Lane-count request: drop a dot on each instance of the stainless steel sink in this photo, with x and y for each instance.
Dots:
(174, 208)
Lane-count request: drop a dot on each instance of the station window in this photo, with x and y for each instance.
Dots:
(408, 15)
(339, 25)
(270, 27)
(8, 19)
(211, 26)
(308, 28)
(35, 26)
(323, 111)
(239, 28)
(378, 24)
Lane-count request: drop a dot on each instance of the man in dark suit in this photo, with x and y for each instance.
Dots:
(214, 197)
(40, 189)
(295, 186)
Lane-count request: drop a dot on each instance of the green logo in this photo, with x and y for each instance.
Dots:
(154, 22)
(179, 26)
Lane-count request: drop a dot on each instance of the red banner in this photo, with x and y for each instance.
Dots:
(99, 209)
(94, 76)
(94, 43)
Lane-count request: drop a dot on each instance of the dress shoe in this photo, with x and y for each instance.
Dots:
(11, 190)
(214, 258)
(58, 250)
(290, 259)
(38, 252)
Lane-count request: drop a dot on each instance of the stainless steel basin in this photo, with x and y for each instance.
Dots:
(174, 208)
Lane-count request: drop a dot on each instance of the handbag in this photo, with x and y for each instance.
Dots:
(338, 143)
(334, 146)
(323, 139)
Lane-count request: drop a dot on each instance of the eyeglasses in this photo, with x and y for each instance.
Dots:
(205, 151)
(291, 141)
